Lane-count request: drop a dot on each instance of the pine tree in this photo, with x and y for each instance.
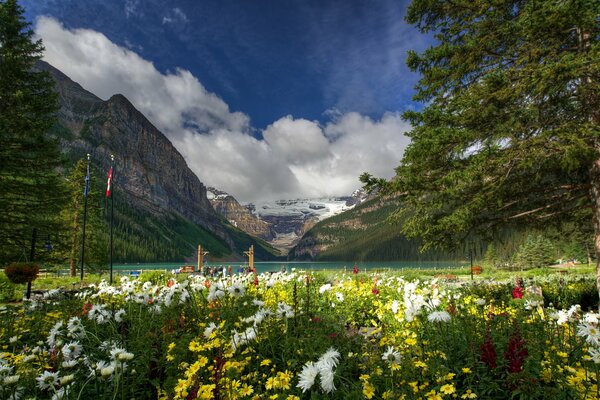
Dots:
(31, 190)
(96, 238)
(510, 133)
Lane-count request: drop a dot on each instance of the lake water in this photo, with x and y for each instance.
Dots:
(274, 266)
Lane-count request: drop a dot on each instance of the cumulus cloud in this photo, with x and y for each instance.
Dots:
(295, 157)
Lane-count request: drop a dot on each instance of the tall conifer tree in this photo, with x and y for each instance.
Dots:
(510, 130)
(31, 191)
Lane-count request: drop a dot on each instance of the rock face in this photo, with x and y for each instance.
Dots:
(148, 169)
(239, 216)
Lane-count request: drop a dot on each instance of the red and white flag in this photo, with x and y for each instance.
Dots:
(109, 182)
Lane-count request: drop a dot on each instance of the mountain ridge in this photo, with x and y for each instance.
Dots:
(151, 175)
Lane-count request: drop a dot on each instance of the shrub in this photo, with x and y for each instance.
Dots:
(22, 272)
(8, 290)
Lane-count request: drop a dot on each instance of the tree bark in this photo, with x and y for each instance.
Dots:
(595, 197)
(75, 231)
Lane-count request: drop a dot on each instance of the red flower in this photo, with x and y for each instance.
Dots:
(516, 352)
(170, 283)
(517, 292)
(488, 351)
(86, 308)
(375, 291)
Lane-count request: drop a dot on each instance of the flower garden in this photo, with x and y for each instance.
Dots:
(303, 336)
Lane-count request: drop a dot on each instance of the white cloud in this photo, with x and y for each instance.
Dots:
(295, 158)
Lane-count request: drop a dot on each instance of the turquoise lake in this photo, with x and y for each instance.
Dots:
(274, 266)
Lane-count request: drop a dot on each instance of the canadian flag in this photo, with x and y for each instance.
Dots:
(109, 182)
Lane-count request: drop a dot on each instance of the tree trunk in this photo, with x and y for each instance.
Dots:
(75, 232)
(595, 197)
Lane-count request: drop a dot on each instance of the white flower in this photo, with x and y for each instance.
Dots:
(439, 316)
(119, 315)
(391, 355)
(11, 380)
(61, 393)
(71, 350)
(480, 302)
(327, 375)
(29, 358)
(339, 296)
(13, 339)
(236, 290)
(69, 364)
(590, 332)
(284, 310)
(65, 380)
(595, 354)
(307, 376)
(75, 328)
(591, 318)
(395, 306)
(529, 304)
(54, 333)
(258, 303)
(561, 317)
(214, 293)
(329, 358)
(107, 371)
(47, 380)
(325, 288)
(209, 329)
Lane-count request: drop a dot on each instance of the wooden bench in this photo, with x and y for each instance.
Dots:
(186, 268)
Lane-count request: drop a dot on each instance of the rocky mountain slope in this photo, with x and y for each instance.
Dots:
(239, 216)
(361, 234)
(161, 197)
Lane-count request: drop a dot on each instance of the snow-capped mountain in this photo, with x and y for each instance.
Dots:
(289, 219)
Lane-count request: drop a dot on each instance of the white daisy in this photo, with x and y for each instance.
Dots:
(47, 380)
(236, 290)
(119, 315)
(590, 332)
(71, 350)
(391, 355)
(439, 316)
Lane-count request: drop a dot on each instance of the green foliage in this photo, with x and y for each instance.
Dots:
(562, 292)
(32, 191)
(509, 133)
(155, 277)
(8, 291)
(536, 252)
(364, 233)
(22, 272)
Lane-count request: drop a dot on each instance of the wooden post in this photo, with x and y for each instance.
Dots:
(250, 254)
(201, 254)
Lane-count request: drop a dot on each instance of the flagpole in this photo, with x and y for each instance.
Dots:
(85, 197)
(112, 159)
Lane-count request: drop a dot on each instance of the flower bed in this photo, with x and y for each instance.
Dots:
(296, 336)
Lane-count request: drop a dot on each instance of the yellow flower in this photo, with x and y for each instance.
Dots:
(450, 376)
(264, 362)
(271, 383)
(433, 395)
(205, 392)
(284, 379)
(466, 370)
(292, 397)
(368, 390)
(448, 389)
(247, 390)
(468, 395)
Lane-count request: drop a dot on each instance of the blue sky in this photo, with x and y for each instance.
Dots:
(279, 76)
